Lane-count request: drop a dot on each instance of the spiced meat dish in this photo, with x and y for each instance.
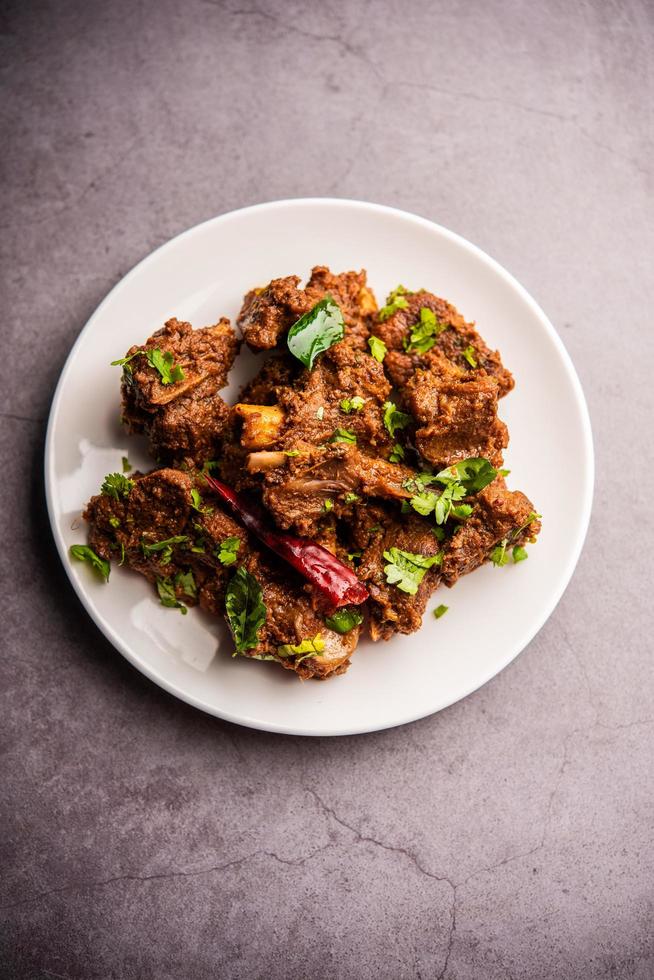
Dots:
(359, 472)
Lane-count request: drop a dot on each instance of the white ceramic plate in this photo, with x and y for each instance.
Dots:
(203, 274)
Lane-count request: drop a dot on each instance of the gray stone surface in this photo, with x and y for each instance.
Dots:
(507, 837)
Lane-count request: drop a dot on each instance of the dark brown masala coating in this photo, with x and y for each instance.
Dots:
(313, 448)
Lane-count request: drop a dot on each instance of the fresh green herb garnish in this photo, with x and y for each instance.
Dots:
(124, 361)
(186, 582)
(442, 504)
(438, 532)
(228, 550)
(423, 335)
(352, 404)
(344, 620)
(344, 435)
(394, 420)
(316, 332)
(306, 647)
(354, 555)
(168, 596)
(164, 363)
(374, 528)
(114, 522)
(351, 498)
(291, 452)
(165, 547)
(196, 503)
(116, 485)
(396, 300)
(469, 354)
(209, 465)
(397, 454)
(407, 570)
(244, 609)
(328, 505)
(503, 472)
(440, 611)
(474, 474)
(378, 348)
(82, 552)
(122, 554)
(127, 466)
(498, 555)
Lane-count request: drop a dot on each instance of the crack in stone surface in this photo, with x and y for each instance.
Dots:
(165, 875)
(356, 52)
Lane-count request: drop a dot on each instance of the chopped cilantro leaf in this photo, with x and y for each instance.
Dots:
(168, 596)
(474, 474)
(316, 331)
(228, 550)
(116, 485)
(503, 472)
(378, 348)
(114, 521)
(244, 609)
(440, 611)
(394, 420)
(352, 404)
(469, 354)
(344, 435)
(498, 555)
(396, 300)
(164, 363)
(127, 466)
(328, 505)
(397, 454)
(407, 570)
(165, 547)
(196, 503)
(423, 335)
(124, 361)
(354, 555)
(519, 553)
(186, 583)
(344, 620)
(351, 498)
(82, 552)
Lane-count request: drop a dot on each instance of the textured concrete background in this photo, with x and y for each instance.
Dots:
(510, 836)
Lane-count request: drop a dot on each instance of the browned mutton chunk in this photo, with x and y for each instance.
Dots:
(376, 530)
(499, 515)
(268, 313)
(456, 416)
(157, 530)
(180, 411)
(454, 337)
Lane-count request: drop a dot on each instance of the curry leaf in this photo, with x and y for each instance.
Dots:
(316, 331)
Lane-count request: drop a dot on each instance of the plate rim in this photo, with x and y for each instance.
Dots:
(588, 466)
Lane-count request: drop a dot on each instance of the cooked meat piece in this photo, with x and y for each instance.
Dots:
(314, 406)
(268, 313)
(457, 417)
(157, 531)
(456, 337)
(499, 514)
(391, 609)
(183, 419)
(321, 481)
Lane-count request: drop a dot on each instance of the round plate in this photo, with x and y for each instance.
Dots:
(203, 274)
